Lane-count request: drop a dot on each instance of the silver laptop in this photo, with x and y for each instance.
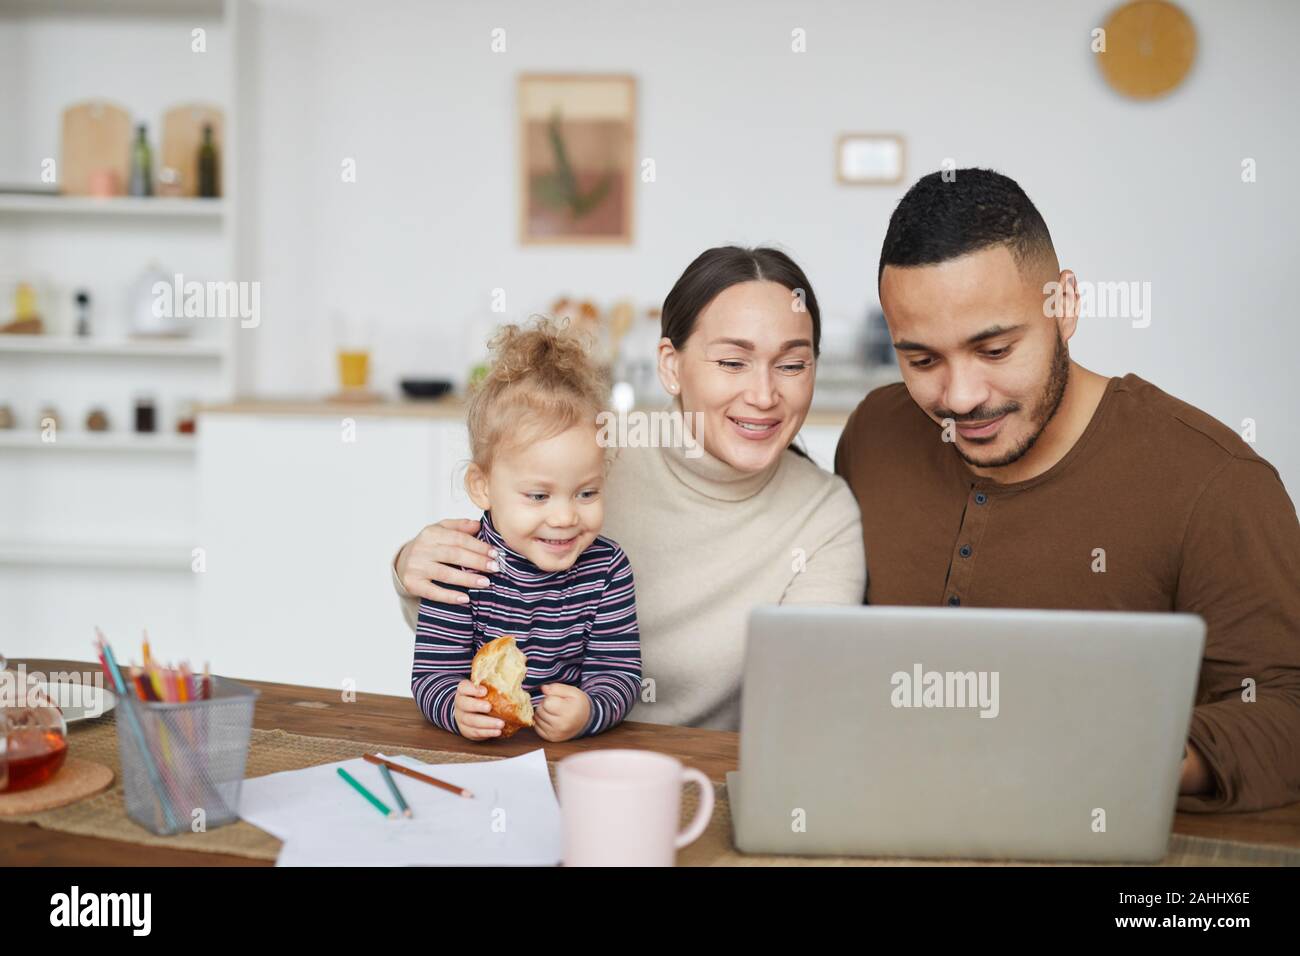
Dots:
(963, 733)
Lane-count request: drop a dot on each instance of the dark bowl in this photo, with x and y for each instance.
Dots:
(426, 388)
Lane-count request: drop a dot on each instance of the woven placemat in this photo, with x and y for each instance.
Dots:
(270, 751)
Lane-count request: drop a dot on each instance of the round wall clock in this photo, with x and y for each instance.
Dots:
(1150, 47)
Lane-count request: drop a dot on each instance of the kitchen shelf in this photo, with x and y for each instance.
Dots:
(71, 554)
(147, 207)
(97, 441)
(147, 348)
(111, 8)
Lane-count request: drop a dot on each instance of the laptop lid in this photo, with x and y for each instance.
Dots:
(964, 733)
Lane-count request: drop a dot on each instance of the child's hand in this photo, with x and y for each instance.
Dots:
(562, 713)
(473, 714)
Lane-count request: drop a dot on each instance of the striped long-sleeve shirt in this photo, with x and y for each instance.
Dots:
(576, 626)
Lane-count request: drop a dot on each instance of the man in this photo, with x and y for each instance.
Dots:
(1000, 473)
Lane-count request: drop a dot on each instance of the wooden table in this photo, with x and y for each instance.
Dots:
(396, 722)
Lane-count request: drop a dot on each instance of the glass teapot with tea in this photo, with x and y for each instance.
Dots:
(33, 733)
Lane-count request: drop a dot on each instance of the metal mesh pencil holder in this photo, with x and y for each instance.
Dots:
(183, 763)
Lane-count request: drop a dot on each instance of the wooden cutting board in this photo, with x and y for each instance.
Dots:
(96, 135)
(182, 135)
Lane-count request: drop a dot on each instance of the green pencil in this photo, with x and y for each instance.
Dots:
(378, 804)
(392, 785)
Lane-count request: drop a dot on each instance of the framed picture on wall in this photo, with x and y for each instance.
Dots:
(577, 137)
(869, 159)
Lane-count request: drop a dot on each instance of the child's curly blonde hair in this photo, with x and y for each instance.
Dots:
(541, 382)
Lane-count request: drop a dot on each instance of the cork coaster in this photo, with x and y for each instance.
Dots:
(76, 780)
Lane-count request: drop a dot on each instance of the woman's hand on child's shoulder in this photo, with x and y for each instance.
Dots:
(473, 713)
(563, 712)
(438, 553)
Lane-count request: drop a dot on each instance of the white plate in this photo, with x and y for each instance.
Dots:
(79, 701)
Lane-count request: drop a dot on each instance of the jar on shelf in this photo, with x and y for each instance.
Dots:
(146, 415)
(187, 417)
(48, 419)
(97, 420)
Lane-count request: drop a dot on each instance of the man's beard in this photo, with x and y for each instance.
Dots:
(1058, 376)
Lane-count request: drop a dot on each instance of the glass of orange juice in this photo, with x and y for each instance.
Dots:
(353, 338)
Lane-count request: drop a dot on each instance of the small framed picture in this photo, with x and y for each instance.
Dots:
(870, 159)
(577, 134)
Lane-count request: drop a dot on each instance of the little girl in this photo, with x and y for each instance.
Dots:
(563, 591)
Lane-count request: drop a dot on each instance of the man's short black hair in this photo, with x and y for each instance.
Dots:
(977, 208)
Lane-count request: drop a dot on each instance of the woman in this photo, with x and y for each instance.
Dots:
(714, 532)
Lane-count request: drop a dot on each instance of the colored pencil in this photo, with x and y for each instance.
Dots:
(374, 801)
(151, 675)
(392, 786)
(459, 791)
(103, 664)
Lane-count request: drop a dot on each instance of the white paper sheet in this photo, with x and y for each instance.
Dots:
(514, 818)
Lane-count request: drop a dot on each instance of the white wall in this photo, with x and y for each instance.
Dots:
(742, 132)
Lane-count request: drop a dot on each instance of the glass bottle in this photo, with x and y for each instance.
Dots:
(83, 313)
(141, 164)
(208, 165)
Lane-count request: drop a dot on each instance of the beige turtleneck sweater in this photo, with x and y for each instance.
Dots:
(708, 544)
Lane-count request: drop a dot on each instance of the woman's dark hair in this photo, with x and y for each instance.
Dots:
(721, 267)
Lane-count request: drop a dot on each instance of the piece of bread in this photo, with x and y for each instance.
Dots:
(500, 666)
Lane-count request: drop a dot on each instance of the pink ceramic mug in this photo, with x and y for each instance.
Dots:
(622, 807)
